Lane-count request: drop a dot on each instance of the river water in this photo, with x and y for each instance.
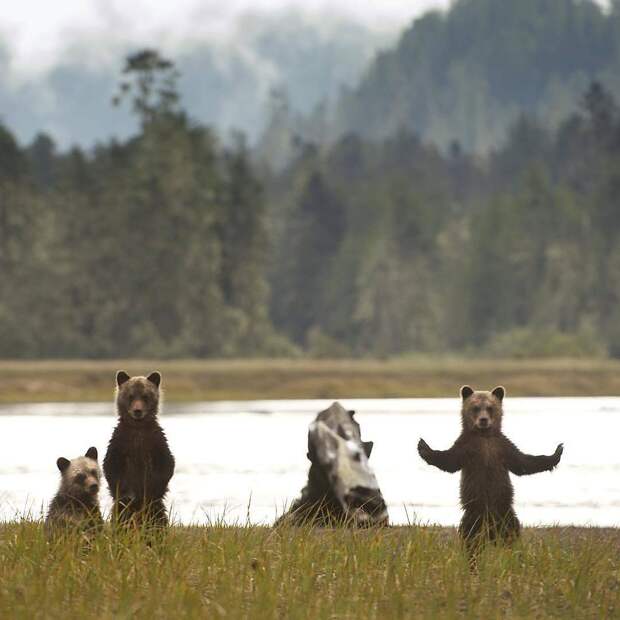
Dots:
(247, 460)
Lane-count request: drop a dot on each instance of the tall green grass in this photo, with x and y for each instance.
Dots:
(257, 572)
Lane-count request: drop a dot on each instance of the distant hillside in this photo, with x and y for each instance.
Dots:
(466, 74)
(225, 82)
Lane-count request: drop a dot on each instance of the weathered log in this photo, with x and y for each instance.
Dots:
(342, 488)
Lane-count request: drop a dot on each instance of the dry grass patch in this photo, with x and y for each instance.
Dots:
(193, 380)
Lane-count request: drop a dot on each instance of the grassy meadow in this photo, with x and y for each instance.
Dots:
(259, 572)
(192, 380)
(288, 573)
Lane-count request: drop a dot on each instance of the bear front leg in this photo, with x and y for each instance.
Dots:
(163, 470)
(113, 469)
(447, 460)
(522, 464)
(157, 486)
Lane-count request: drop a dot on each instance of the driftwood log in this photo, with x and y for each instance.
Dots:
(342, 488)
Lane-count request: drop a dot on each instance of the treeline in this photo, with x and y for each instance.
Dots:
(391, 247)
(155, 246)
(468, 72)
(171, 245)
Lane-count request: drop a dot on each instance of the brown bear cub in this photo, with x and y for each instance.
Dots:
(138, 464)
(485, 457)
(76, 505)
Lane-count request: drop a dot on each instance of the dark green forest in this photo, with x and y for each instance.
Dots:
(395, 247)
(171, 244)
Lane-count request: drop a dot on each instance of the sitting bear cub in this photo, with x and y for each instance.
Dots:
(76, 505)
(138, 464)
(485, 456)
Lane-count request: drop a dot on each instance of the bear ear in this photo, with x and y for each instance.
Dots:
(62, 463)
(466, 392)
(91, 453)
(368, 445)
(155, 378)
(499, 392)
(121, 377)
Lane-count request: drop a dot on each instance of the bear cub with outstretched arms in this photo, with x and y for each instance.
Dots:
(138, 464)
(485, 456)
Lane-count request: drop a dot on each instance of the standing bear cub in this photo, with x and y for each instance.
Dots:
(485, 456)
(138, 464)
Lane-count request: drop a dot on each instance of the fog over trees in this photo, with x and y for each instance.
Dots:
(225, 81)
(468, 73)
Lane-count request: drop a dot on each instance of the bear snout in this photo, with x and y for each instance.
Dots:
(137, 409)
(93, 488)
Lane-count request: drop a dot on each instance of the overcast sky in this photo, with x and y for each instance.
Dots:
(38, 33)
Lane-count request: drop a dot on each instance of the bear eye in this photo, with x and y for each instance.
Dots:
(80, 478)
(93, 472)
(489, 409)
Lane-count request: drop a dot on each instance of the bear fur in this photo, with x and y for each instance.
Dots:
(485, 456)
(75, 507)
(138, 464)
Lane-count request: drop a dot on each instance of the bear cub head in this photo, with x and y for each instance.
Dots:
(80, 476)
(482, 411)
(137, 398)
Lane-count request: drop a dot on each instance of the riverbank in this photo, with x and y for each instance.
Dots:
(255, 572)
(196, 380)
